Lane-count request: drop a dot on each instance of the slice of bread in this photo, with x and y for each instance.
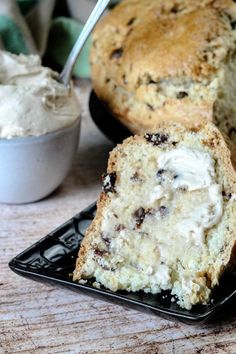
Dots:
(162, 60)
(166, 218)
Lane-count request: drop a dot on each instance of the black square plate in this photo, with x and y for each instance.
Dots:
(105, 121)
(52, 259)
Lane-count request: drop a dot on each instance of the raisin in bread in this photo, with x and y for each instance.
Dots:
(161, 60)
(166, 218)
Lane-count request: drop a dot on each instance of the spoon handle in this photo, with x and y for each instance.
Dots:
(98, 10)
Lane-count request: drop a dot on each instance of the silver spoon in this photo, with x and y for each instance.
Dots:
(98, 10)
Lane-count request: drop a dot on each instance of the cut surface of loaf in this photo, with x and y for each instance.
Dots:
(158, 60)
(166, 217)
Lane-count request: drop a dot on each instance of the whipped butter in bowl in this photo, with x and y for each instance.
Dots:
(39, 129)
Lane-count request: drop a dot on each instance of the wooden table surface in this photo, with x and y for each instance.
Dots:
(35, 318)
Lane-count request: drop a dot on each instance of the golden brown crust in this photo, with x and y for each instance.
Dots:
(154, 39)
(102, 200)
(143, 44)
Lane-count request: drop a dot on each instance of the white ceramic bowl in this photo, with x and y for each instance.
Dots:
(33, 167)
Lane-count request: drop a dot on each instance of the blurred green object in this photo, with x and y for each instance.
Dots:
(63, 34)
(114, 2)
(11, 36)
(26, 5)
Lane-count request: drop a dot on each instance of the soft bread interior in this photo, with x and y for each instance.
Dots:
(166, 218)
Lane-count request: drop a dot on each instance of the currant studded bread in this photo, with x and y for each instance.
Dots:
(161, 60)
(166, 218)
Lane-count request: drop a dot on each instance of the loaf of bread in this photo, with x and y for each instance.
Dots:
(161, 60)
(166, 219)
